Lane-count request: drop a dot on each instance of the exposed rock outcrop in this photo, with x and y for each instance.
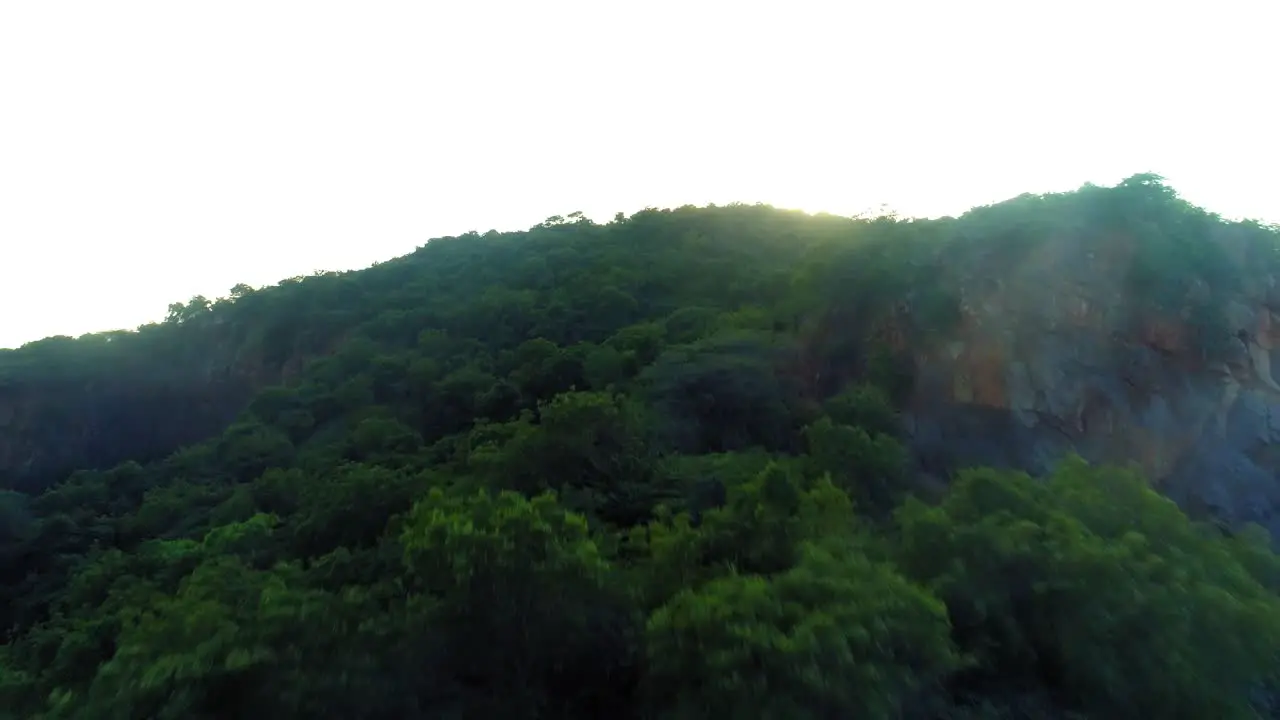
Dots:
(1054, 356)
(142, 410)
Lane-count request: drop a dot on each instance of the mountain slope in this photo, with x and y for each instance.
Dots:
(689, 463)
(101, 399)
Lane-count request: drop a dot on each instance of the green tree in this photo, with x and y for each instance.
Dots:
(837, 636)
(234, 642)
(871, 469)
(1093, 586)
(722, 394)
(525, 597)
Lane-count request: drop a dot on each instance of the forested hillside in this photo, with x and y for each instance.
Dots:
(720, 462)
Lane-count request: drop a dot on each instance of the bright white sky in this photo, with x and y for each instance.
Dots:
(150, 151)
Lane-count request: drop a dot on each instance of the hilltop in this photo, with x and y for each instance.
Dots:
(703, 462)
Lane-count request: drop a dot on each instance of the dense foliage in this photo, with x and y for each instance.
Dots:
(648, 469)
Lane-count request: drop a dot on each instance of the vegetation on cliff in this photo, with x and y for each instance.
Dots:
(647, 469)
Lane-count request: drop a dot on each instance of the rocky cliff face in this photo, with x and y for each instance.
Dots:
(140, 409)
(93, 402)
(1053, 355)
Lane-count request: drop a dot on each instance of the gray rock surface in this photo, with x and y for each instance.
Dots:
(1053, 359)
